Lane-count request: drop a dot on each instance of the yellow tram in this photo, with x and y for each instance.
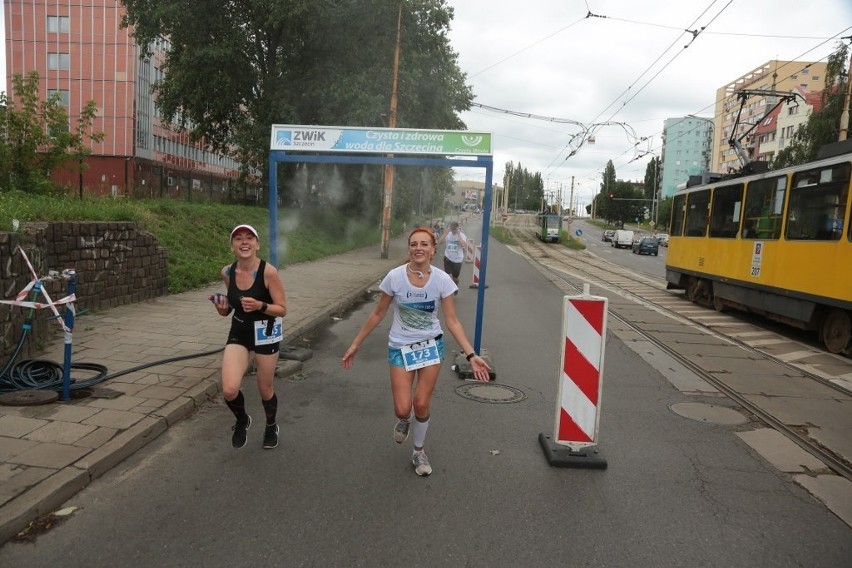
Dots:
(777, 243)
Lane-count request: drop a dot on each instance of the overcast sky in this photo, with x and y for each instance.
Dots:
(629, 66)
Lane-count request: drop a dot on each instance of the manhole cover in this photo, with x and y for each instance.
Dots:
(709, 413)
(490, 393)
(28, 397)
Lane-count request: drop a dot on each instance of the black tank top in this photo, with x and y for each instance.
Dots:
(257, 291)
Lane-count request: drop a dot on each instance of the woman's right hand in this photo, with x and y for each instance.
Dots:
(220, 302)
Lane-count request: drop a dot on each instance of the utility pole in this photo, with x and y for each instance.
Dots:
(388, 185)
(571, 199)
(844, 116)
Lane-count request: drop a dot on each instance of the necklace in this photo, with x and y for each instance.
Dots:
(417, 272)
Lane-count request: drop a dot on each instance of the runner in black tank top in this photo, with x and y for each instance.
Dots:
(242, 322)
(255, 294)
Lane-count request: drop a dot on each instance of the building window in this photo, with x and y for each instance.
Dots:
(63, 94)
(58, 61)
(60, 130)
(58, 24)
(793, 110)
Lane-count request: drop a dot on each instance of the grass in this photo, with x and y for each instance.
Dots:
(196, 234)
(502, 234)
(570, 242)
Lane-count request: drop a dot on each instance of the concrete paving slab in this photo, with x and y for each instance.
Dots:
(778, 385)
(677, 374)
(833, 490)
(49, 454)
(784, 454)
(838, 440)
(114, 419)
(61, 432)
(10, 448)
(18, 427)
(807, 411)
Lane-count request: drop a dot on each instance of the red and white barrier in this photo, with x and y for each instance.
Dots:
(584, 329)
(470, 250)
(580, 383)
(476, 261)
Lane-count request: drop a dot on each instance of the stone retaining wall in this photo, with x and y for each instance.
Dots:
(115, 264)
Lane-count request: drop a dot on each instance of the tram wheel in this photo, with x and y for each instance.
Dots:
(718, 304)
(692, 290)
(836, 331)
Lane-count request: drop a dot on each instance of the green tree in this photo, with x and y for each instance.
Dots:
(823, 126)
(664, 214)
(619, 201)
(526, 190)
(36, 138)
(653, 173)
(234, 68)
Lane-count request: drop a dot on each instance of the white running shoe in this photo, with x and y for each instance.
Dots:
(400, 431)
(421, 463)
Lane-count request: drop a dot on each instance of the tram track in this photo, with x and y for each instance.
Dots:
(572, 269)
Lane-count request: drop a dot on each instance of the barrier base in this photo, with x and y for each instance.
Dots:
(563, 456)
(292, 353)
(464, 369)
(477, 286)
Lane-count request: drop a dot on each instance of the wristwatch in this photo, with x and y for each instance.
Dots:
(470, 355)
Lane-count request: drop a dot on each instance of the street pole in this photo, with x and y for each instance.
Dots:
(571, 199)
(388, 183)
(844, 116)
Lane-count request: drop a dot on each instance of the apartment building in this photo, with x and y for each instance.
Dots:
(686, 151)
(762, 87)
(81, 52)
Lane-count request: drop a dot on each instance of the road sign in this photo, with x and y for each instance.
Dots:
(579, 232)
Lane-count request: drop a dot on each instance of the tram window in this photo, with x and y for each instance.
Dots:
(764, 205)
(696, 213)
(818, 203)
(678, 206)
(725, 213)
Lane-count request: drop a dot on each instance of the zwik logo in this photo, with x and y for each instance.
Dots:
(284, 138)
(471, 140)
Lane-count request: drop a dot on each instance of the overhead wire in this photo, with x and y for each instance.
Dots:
(589, 131)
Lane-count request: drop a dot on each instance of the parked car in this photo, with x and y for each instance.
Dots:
(663, 239)
(647, 245)
(622, 238)
(607, 235)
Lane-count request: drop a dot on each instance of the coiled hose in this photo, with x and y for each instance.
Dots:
(43, 374)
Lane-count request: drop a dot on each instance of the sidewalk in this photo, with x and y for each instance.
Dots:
(50, 452)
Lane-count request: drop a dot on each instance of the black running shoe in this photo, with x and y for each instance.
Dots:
(238, 440)
(270, 437)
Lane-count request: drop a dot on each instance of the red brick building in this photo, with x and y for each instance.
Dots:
(81, 52)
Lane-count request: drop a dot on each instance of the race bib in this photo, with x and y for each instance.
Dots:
(418, 355)
(277, 334)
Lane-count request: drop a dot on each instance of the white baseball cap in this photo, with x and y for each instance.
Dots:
(248, 228)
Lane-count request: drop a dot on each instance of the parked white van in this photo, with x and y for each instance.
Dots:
(622, 239)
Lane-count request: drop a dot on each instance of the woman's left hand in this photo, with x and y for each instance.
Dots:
(250, 304)
(480, 368)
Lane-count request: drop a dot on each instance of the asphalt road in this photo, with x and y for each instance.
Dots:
(339, 492)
